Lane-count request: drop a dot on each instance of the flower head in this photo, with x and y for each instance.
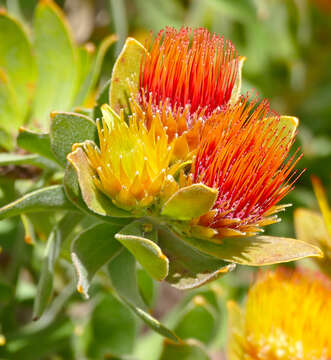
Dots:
(184, 78)
(285, 317)
(132, 164)
(243, 154)
(199, 72)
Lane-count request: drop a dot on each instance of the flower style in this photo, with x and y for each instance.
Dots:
(243, 154)
(284, 318)
(183, 80)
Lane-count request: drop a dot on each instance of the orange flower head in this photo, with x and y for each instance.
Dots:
(243, 153)
(285, 318)
(199, 72)
(185, 76)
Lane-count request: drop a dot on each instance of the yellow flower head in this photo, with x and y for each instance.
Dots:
(287, 317)
(132, 164)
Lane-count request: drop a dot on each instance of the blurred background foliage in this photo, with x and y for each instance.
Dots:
(287, 44)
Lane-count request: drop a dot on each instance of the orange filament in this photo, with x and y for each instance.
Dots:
(243, 153)
(182, 70)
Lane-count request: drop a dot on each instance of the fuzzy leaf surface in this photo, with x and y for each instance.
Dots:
(139, 238)
(92, 249)
(48, 198)
(190, 202)
(257, 250)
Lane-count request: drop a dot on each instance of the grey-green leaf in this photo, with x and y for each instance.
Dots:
(188, 267)
(257, 250)
(45, 284)
(35, 160)
(122, 272)
(190, 202)
(139, 238)
(48, 198)
(57, 63)
(91, 249)
(68, 129)
(189, 350)
(18, 62)
(35, 142)
(111, 329)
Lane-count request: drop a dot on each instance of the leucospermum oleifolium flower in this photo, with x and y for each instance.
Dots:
(179, 145)
(286, 317)
(243, 154)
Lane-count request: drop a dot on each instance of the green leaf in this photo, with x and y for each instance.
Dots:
(57, 62)
(139, 238)
(119, 18)
(35, 142)
(122, 272)
(190, 202)
(95, 200)
(92, 249)
(91, 77)
(17, 61)
(190, 350)
(147, 288)
(68, 129)
(45, 284)
(39, 343)
(198, 321)
(102, 98)
(112, 329)
(35, 160)
(188, 267)
(6, 140)
(49, 198)
(6, 293)
(257, 250)
(8, 111)
(126, 69)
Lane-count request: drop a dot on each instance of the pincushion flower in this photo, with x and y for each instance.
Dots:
(183, 77)
(192, 173)
(285, 317)
(243, 155)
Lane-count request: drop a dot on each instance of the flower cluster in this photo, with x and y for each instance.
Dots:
(284, 318)
(188, 125)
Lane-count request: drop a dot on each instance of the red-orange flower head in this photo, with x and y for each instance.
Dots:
(243, 153)
(186, 76)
